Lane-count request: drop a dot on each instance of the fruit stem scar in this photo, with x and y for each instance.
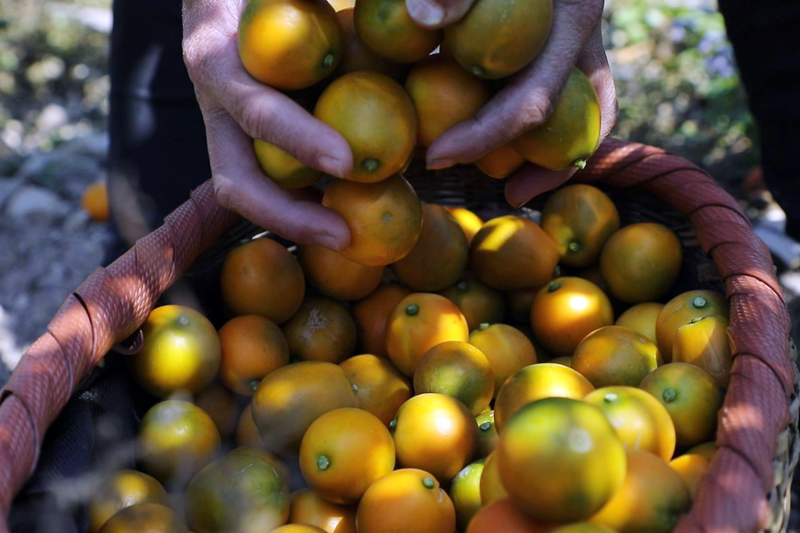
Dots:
(393, 424)
(254, 384)
(483, 326)
(580, 163)
(461, 285)
(574, 246)
(699, 302)
(323, 462)
(428, 483)
(412, 310)
(554, 286)
(477, 70)
(669, 395)
(486, 426)
(610, 397)
(370, 165)
(183, 321)
(328, 60)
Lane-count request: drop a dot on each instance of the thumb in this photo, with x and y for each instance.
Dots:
(436, 14)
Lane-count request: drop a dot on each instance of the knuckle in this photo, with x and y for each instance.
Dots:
(535, 109)
(223, 191)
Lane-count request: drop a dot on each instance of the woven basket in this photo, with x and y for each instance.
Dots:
(747, 487)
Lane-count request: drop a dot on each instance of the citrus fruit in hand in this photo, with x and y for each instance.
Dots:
(252, 347)
(322, 330)
(356, 56)
(282, 168)
(381, 389)
(387, 29)
(613, 355)
(500, 162)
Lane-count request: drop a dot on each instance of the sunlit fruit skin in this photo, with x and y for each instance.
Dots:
(386, 28)
(465, 492)
(440, 255)
(246, 429)
(469, 221)
(504, 515)
(479, 303)
(560, 460)
(408, 501)
(181, 352)
(321, 330)
(436, 433)
(642, 318)
(583, 527)
(692, 398)
(444, 94)
(335, 276)
(641, 262)
(282, 168)
(613, 355)
(704, 342)
(144, 517)
(536, 382)
(681, 310)
(95, 201)
(580, 219)
(288, 400)
(298, 528)
(639, 420)
(381, 389)
(497, 38)
(343, 452)
(306, 507)
(510, 252)
(289, 44)
(491, 487)
(262, 278)
(458, 370)
(243, 491)
(652, 498)
(385, 218)
(418, 323)
(252, 347)
(119, 490)
(371, 316)
(487, 432)
(356, 56)
(377, 119)
(566, 310)
(693, 464)
(176, 439)
(507, 349)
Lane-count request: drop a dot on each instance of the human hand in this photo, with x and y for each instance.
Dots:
(237, 109)
(530, 95)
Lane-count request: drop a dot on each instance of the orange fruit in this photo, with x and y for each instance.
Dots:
(355, 55)
(563, 360)
(288, 400)
(309, 509)
(282, 168)
(640, 421)
(681, 310)
(497, 38)
(298, 528)
(407, 500)
(692, 399)
(479, 303)
(572, 132)
(613, 355)
(692, 465)
(458, 370)
(95, 201)
(243, 491)
(322, 330)
(652, 498)
(119, 490)
(388, 30)
(560, 460)
(418, 323)
(381, 389)
(181, 352)
(337, 277)
(385, 219)
(176, 439)
(371, 316)
(507, 349)
(583, 527)
(439, 256)
(339, 5)
(580, 219)
(444, 94)
(220, 404)
(252, 347)
(377, 119)
(487, 432)
(535, 382)
(641, 262)
(520, 302)
(566, 310)
(504, 515)
(144, 517)
(436, 433)
(492, 488)
(262, 278)
(469, 221)
(343, 452)
(703, 342)
(289, 44)
(500, 162)
(510, 252)
(246, 429)
(641, 318)
(465, 492)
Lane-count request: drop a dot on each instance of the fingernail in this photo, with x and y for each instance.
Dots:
(425, 12)
(332, 166)
(438, 164)
(328, 241)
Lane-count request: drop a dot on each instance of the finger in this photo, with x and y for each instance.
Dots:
(531, 95)
(531, 181)
(436, 14)
(240, 185)
(594, 63)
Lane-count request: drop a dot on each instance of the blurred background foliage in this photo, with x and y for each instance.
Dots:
(676, 79)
